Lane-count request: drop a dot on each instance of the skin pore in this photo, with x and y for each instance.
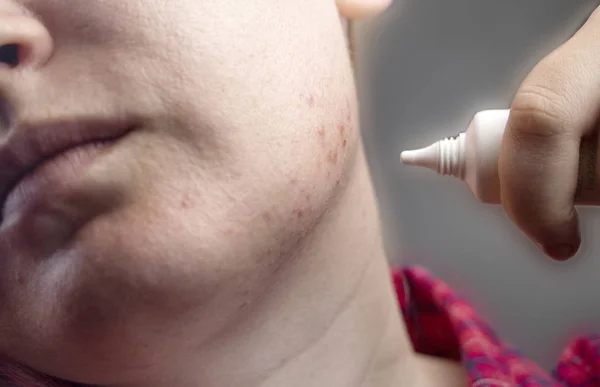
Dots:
(232, 238)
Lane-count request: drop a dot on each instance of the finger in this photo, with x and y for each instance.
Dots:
(356, 9)
(556, 106)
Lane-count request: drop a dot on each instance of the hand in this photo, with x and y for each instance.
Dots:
(356, 9)
(557, 105)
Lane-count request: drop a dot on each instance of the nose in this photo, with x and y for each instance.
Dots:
(24, 41)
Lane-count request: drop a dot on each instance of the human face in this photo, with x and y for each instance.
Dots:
(232, 126)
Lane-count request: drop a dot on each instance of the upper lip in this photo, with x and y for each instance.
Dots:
(30, 145)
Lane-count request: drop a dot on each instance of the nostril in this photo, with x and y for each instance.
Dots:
(9, 55)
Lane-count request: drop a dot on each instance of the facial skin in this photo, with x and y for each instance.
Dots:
(182, 245)
(232, 237)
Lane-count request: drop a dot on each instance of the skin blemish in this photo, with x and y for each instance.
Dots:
(267, 217)
(186, 202)
(299, 213)
(311, 101)
(342, 129)
(332, 156)
(321, 133)
(293, 181)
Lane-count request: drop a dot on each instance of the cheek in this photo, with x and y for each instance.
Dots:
(333, 140)
(333, 145)
(192, 249)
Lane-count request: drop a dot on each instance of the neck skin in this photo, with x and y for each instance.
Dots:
(331, 319)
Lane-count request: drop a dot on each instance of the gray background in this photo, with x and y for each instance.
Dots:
(425, 67)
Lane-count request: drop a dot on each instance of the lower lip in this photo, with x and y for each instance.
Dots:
(55, 173)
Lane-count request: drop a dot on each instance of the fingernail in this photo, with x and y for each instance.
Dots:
(561, 252)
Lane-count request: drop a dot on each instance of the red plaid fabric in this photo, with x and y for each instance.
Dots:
(441, 324)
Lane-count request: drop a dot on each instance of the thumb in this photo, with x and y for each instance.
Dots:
(556, 106)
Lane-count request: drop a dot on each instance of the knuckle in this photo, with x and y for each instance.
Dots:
(539, 111)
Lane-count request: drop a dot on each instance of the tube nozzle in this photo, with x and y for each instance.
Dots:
(428, 157)
(444, 157)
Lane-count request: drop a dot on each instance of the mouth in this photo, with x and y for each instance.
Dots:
(36, 148)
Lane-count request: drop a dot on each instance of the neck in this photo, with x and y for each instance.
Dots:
(331, 319)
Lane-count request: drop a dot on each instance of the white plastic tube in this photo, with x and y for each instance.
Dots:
(472, 156)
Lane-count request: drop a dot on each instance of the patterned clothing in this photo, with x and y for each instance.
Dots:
(442, 324)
